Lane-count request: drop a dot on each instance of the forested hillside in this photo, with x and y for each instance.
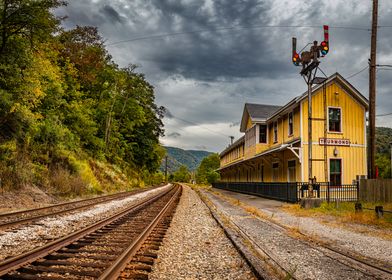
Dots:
(71, 120)
(177, 157)
(383, 151)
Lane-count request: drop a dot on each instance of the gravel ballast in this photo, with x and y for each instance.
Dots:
(195, 247)
(301, 259)
(28, 237)
(357, 239)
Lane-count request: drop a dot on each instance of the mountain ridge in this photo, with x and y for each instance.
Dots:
(177, 157)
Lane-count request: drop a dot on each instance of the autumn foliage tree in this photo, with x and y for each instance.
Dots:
(63, 99)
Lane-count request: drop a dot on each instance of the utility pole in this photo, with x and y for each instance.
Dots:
(165, 169)
(310, 62)
(372, 94)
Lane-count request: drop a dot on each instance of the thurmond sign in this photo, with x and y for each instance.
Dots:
(334, 142)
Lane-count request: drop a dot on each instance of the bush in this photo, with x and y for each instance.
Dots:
(64, 183)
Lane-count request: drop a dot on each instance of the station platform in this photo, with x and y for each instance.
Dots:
(265, 204)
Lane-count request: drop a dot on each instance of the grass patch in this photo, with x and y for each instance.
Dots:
(345, 212)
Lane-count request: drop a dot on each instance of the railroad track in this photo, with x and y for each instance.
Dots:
(370, 269)
(13, 219)
(124, 245)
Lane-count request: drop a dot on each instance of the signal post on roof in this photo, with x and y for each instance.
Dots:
(310, 62)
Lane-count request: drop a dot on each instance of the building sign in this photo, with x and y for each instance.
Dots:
(334, 142)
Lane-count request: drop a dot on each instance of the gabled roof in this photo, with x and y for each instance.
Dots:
(257, 113)
(264, 113)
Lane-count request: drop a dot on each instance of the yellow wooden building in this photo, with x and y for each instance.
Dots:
(274, 147)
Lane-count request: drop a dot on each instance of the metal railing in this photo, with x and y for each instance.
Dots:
(328, 192)
(283, 191)
(293, 191)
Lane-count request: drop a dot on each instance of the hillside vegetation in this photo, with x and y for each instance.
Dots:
(71, 120)
(177, 157)
(383, 151)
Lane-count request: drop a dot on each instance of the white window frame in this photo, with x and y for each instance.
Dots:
(275, 138)
(341, 120)
(266, 134)
(288, 124)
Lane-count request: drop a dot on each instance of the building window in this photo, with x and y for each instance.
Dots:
(334, 119)
(263, 134)
(335, 172)
(291, 171)
(275, 172)
(275, 132)
(291, 123)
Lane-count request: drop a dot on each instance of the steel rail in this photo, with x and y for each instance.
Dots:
(321, 245)
(9, 214)
(94, 201)
(31, 256)
(114, 271)
(15, 213)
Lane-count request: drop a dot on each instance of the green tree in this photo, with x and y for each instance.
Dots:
(206, 172)
(182, 174)
(63, 100)
(383, 162)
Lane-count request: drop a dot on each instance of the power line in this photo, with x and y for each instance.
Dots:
(357, 73)
(158, 36)
(383, 115)
(199, 125)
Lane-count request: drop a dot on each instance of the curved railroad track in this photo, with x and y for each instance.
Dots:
(13, 219)
(378, 271)
(370, 269)
(123, 245)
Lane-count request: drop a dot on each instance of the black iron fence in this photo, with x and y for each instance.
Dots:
(281, 191)
(328, 192)
(293, 192)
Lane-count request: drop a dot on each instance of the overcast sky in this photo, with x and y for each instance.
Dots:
(206, 58)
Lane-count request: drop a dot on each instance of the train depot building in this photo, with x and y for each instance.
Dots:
(274, 147)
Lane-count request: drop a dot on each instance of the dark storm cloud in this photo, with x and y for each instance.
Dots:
(174, 135)
(168, 114)
(234, 124)
(206, 77)
(214, 54)
(111, 14)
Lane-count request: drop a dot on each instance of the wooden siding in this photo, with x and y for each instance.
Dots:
(353, 128)
(375, 190)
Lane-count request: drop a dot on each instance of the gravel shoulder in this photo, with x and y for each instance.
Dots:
(291, 253)
(28, 237)
(195, 247)
(357, 239)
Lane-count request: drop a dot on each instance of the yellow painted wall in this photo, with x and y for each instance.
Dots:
(249, 124)
(282, 137)
(353, 128)
(236, 154)
(251, 172)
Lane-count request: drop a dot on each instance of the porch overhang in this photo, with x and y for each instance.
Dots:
(284, 146)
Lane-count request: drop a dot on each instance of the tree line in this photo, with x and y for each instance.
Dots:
(205, 174)
(64, 100)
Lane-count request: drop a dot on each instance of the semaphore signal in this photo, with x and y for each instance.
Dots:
(310, 62)
(316, 51)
